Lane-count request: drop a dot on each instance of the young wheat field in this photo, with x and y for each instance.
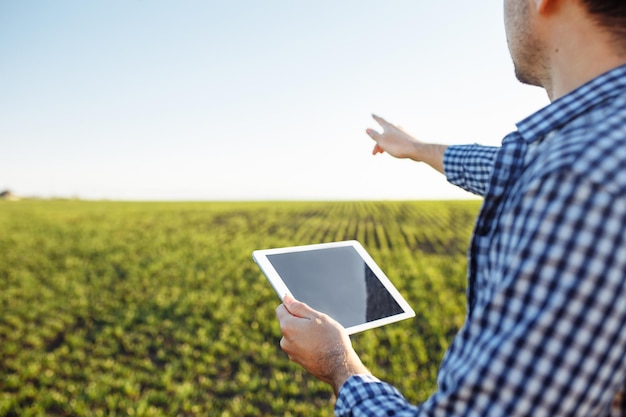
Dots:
(157, 309)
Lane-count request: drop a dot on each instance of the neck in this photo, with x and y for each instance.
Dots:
(578, 51)
(568, 74)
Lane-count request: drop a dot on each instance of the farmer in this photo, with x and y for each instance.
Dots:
(545, 331)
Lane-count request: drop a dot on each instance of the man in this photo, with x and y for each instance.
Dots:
(545, 332)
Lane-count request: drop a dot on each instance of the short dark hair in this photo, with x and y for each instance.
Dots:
(611, 16)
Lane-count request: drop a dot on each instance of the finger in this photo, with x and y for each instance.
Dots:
(377, 149)
(373, 134)
(288, 323)
(380, 120)
(283, 315)
(298, 308)
(285, 347)
(280, 310)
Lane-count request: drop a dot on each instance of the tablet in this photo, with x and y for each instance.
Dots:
(339, 279)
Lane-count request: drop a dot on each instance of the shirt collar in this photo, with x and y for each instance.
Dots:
(566, 108)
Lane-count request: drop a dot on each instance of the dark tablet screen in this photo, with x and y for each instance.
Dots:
(338, 282)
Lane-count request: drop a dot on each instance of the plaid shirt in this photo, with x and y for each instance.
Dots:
(545, 332)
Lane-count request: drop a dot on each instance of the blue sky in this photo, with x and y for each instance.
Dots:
(245, 100)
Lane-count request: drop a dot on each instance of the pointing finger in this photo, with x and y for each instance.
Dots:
(380, 120)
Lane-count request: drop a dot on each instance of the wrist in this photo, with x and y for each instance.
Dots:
(347, 371)
(418, 151)
(432, 154)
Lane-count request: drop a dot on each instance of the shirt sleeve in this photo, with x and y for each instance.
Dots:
(547, 334)
(365, 395)
(469, 166)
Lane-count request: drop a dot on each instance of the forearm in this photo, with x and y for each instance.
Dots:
(429, 153)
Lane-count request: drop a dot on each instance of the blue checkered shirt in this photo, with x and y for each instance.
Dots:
(545, 332)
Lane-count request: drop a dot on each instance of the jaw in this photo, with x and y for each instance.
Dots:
(524, 43)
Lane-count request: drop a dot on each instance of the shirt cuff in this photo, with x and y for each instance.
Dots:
(361, 388)
(469, 166)
(453, 159)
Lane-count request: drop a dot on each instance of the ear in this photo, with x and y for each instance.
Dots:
(546, 6)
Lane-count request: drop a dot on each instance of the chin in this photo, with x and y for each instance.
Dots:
(526, 77)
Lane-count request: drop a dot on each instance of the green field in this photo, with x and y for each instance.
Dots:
(157, 309)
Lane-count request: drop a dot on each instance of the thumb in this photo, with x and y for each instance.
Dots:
(298, 308)
(377, 149)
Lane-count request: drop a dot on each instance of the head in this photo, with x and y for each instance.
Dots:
(527, 32)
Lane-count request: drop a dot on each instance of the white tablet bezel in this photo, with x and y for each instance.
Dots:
(261, 258)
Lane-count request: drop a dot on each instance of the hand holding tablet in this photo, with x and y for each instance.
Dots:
(339, 279)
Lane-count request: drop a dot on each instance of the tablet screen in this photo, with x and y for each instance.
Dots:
(339, 279)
